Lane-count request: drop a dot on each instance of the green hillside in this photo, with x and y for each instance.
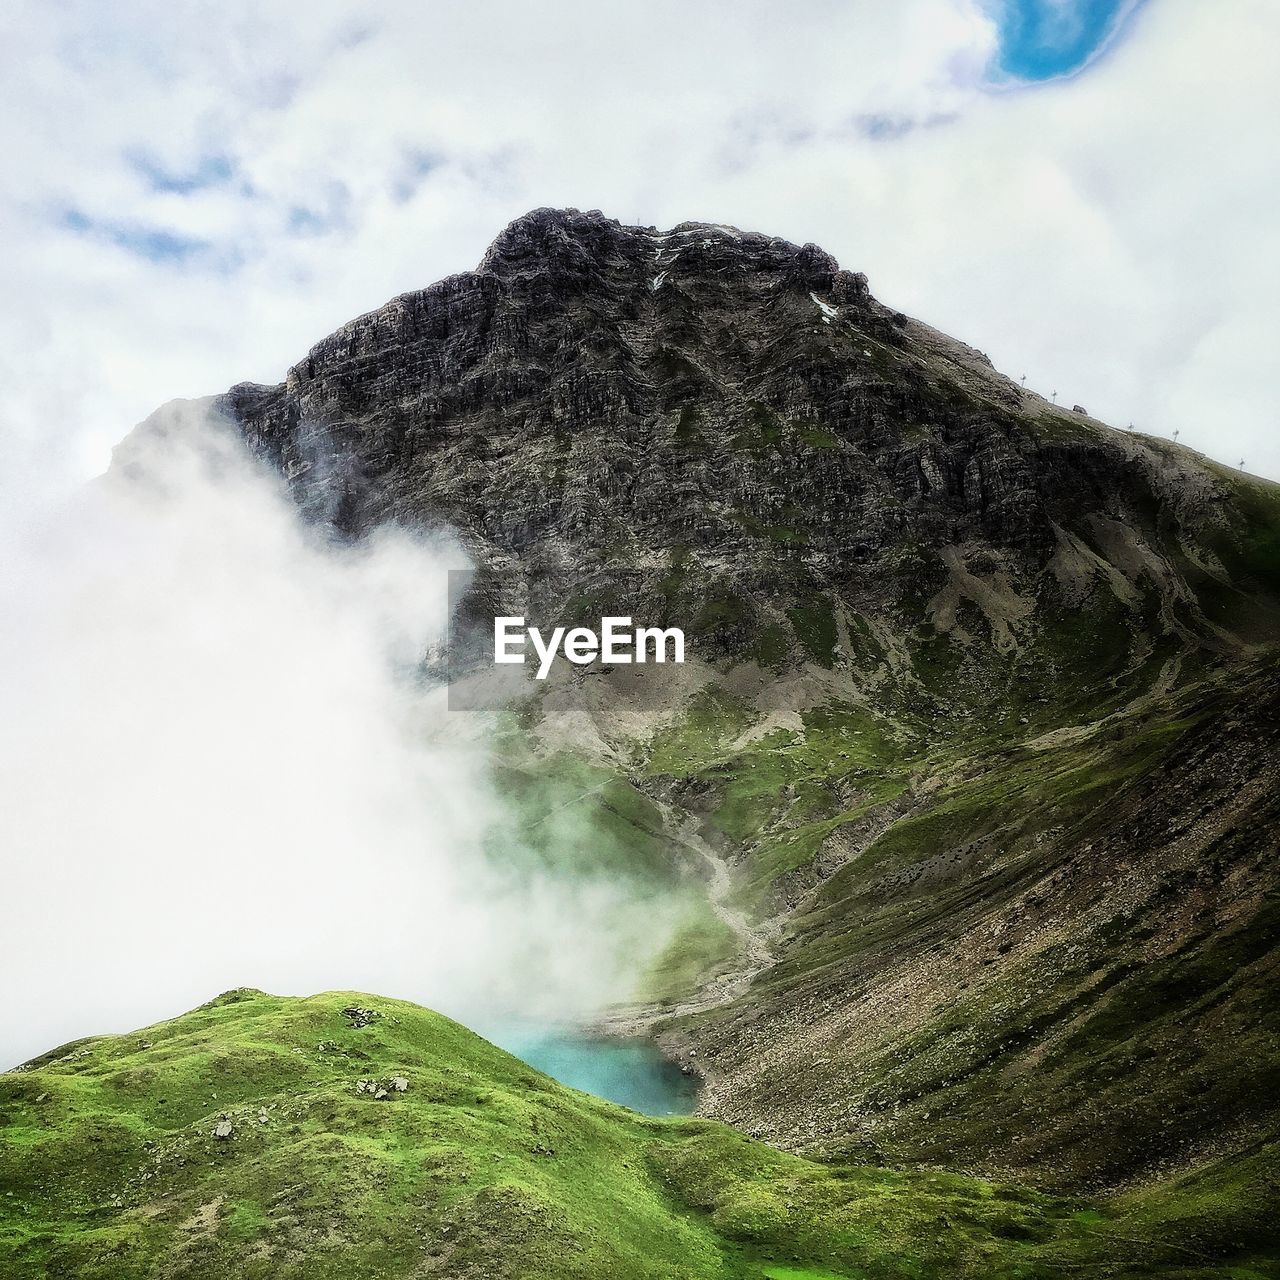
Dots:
(239, 1140)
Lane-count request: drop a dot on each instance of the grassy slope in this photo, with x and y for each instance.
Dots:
(583, 820)
(1029, 899)
(1055, 956)
(702, 947)
(109, 1168)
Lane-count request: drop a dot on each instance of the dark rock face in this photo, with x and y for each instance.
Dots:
(596, 392)
(577, 334)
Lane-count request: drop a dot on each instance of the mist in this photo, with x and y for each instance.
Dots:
(220, 766)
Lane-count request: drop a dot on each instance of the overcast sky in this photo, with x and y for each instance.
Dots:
(1085, 189)
(193, 194)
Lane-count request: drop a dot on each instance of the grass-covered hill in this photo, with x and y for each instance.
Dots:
(347, 1135)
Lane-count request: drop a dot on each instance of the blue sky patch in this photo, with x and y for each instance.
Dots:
(1047, 39)
(209, 171)
(331, 213)
(155, 244)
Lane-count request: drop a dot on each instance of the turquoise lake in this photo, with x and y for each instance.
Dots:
(630, 1072)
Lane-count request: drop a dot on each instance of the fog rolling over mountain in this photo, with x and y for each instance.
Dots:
(221, 764)
(959, 824)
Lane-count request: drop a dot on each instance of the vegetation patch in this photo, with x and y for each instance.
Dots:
(480, 1166)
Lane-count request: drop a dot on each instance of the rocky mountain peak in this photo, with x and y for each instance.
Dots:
(978, 736)
(739, 414)
(567, 242)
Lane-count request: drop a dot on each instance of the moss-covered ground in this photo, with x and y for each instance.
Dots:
(111, 1166)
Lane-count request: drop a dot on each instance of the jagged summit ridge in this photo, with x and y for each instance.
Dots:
(570, 252)
(568, 238)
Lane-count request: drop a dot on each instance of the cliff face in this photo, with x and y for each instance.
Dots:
(984, 700)
(743, 409)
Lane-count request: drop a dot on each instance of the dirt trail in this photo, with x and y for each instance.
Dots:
(755, 942)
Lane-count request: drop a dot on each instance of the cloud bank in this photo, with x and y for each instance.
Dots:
(218, 768)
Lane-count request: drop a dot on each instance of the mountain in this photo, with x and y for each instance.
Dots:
(347, 1135)
(973, 762)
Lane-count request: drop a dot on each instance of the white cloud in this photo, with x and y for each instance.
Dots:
(1108, 235)
(215, 771)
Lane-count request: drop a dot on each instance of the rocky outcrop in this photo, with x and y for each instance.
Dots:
(598, 393)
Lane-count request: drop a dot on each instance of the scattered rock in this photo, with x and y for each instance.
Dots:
(222, 1130)
(358, 1016)
(379, 1089)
